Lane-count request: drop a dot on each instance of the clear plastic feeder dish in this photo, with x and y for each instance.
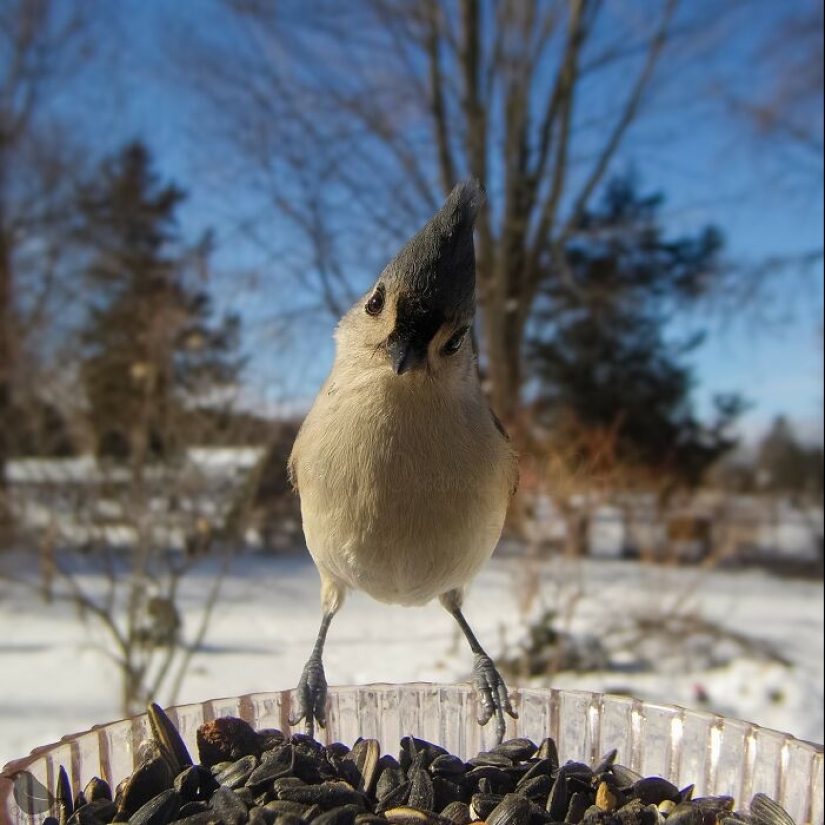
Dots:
(718, 755)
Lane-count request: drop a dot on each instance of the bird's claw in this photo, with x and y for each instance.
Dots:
(492, 694)
(312, 696)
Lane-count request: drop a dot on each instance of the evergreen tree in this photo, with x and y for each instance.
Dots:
(786, 465)
(599, 349)
(152, 350)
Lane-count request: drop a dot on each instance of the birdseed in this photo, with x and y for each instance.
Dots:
(266, 778)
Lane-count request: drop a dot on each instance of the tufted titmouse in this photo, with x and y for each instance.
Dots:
(404, 473)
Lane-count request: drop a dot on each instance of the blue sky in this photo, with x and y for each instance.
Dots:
(707, 167)
(718, 177)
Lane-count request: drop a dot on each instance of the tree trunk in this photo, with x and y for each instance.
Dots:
(130, 691)
(503, 335)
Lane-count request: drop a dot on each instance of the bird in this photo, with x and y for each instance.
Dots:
(404, 472)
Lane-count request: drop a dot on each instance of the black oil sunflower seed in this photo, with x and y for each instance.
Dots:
(266, 778)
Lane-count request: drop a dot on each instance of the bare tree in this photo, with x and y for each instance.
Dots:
(364, 114)
(143, 569)
(42, 44)
(778, 109)
(787, 111)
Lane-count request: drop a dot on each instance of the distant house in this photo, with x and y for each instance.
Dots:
(712, 527)
(83, 501)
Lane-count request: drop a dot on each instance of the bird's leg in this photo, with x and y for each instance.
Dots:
(487, 681)
(312, 688)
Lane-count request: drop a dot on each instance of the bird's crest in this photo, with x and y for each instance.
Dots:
(438, 263)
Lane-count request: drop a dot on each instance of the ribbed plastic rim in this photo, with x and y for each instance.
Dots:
(13, 768)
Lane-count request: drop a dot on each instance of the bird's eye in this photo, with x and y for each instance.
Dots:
(375, 305)
(454, 344)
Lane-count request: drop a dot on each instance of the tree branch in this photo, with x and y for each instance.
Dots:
(561, 106)
(567, 71)
(394, 142)
(446, 163)
(631, 109)
(85, 602)
(197, 642)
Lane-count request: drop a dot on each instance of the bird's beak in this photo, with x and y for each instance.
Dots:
(406, 355)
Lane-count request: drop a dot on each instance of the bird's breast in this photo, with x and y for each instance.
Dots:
(403, 496)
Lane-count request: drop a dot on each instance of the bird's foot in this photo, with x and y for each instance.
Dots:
(492, 693)
(312, 696)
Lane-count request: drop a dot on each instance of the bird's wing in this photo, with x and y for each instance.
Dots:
(517, 480)
(506, 436)
(292, 471)
(499, 426)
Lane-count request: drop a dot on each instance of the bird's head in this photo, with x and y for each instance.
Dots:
(417, 317)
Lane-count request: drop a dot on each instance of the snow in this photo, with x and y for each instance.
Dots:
(221, 460)
(55, 680)
(40, 470)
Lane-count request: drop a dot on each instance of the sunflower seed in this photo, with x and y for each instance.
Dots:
(327, 795)
(150, 779)
(458, 813)
(422, 795)
(257, 816)
(362, 762)
(559, 799)
(412, 748)
(625, 778)
(482, 805)
(765, 811)
(396, 798)
(345, 815)
(512, 810)
(158, 811)
(270, 738)
(542, 767)
(548, 750)
(284, 806)
(99, 812)
(536, 789)
(237, 774)
(414, 816)
(191, 808)
(579, 803)
(97, 789)
(228, 807)
(268, 779)
(448, 765)
(446, 792)
(654, 790)
(202, 818)
(606, 763)
(167, 734)
(275, 764)
(491, 760)
(519, 750)
(63, 797)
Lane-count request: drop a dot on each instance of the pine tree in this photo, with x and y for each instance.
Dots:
(600, 351)
(787, 465)
(152, 349)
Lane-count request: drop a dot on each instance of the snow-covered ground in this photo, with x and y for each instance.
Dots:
(53, 679)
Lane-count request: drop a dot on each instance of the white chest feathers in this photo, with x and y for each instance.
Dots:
(404, 488)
